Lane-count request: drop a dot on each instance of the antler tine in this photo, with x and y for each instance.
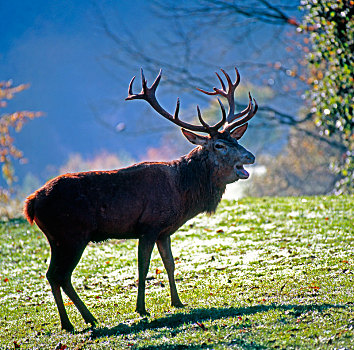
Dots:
(217, 126)
(245, 111)
(245, 119)
(207, 92)
(231, 86)
(238, 78)
(157, 81)
(202, 121)
(213, 129)
(216, 91)
(145, 91)
(223, 120)
(143, 80)
(148, 94)
(175, 116)
(221, 81)
(228, 92)
(130, 89)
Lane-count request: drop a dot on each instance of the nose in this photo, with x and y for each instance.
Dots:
(249, 158)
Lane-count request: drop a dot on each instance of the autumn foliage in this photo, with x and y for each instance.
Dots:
(9, 123)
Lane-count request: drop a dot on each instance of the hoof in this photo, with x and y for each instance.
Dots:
(142, 312)
(68, 328)
(179, 305)
(92, 322)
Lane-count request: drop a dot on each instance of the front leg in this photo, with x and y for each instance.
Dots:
(145, 248)
(164, 246)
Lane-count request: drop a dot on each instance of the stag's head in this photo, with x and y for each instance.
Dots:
(221, 142)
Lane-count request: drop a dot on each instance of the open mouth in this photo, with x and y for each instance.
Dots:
(241, 172)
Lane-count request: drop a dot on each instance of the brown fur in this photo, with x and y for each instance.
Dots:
(28, 210)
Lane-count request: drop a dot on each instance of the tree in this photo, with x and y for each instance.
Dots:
(10, 122)
(331, 67)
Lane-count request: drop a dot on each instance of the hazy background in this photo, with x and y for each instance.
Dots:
(79, 77)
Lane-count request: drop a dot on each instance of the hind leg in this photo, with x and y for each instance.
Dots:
(64, 259)
(145, 248)
(85, 313)
(64, 319)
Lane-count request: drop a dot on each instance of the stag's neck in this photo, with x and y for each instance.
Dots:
(198, 185)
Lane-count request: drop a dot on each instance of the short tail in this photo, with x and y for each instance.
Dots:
(28, 209)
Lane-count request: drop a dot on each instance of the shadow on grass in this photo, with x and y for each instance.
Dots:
(174, 321)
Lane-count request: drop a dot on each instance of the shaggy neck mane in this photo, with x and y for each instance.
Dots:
(202, 193)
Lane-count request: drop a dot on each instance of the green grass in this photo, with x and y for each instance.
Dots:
(259, 274)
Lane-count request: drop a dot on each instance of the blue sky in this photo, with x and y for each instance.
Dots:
(57, 46)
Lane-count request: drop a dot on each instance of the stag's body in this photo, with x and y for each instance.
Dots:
(125, 203)
(147, 201)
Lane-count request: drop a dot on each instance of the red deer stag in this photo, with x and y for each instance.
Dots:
(148, 201)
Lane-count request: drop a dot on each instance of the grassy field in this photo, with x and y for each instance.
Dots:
(259, 274)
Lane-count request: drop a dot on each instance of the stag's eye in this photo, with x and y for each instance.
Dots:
(220, 146)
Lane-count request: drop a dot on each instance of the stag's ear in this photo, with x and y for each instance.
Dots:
(194, 138)
(238, 133)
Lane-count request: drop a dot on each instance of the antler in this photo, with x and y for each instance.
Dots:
(248, 112)
(148, 94)
(251, 111)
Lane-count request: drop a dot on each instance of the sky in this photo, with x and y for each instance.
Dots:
(58, 47)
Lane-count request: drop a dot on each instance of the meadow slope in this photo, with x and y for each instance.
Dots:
(259, 274)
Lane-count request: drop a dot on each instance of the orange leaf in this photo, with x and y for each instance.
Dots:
(201, 325)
